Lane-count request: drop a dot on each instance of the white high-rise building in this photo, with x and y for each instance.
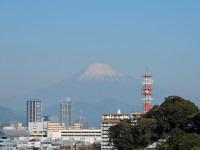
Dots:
(34, 115)
(67, 112)
(107, 121)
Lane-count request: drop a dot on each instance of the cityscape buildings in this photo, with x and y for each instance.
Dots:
(43, 132)
(64, 130)
(67, 112)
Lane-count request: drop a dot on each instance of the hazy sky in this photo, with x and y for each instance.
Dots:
(44, 42)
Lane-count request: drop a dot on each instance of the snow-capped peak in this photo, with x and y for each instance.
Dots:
(99, 71)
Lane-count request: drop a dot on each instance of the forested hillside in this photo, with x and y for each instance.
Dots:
(176, 121)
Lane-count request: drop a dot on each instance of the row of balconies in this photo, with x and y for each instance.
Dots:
(105, 140)
(114, 117)
(104, 132)
(103, 129)
(104, 136)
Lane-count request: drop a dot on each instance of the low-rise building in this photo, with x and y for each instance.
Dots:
(54, 126)
(12, 132)
(34, 143)
(5, 144)
(85, 135)
(74, 133)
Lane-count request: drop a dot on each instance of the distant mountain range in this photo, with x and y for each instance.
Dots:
(99, 88)
(92, 112)
(7, 115)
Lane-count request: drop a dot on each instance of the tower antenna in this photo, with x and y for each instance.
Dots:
(146, 70)
(81, 115)
(146, 91)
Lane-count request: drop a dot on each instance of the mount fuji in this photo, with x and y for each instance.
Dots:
(97, 86)
(101, 72)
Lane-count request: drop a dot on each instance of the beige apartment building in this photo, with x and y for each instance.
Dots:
(107, 121)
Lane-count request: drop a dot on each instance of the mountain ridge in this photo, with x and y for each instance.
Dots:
(98, 71)
(92, 112)
(126, 90)
(109, 91)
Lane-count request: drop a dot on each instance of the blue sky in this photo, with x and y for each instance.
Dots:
(44, 42)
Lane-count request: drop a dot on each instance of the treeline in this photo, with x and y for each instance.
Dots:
(176, 121)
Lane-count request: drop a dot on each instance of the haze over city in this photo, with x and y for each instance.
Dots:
(99, 75)
(45, 42)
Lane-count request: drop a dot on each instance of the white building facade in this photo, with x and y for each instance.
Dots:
(83, 135)
(107, 121)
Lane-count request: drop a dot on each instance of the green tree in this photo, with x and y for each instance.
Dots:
(174, 138)
(189, 141)
(121, 135)
(195, 124)
(195, 148)
(173, 112)
(145, 132)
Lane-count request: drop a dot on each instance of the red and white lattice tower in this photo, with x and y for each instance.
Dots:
(146, 91)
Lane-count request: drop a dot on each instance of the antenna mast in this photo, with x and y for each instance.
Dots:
(81, 115)
(146, 91)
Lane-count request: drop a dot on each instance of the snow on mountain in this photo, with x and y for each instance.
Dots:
(99, 71)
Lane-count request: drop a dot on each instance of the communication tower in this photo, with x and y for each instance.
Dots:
(146, 91)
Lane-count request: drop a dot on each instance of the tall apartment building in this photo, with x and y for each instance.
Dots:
(107, 121)
(34, 115)
(67, 112)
